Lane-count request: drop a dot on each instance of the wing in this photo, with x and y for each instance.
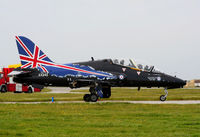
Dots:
(80, 81)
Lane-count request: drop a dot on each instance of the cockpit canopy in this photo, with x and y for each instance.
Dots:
(131, 63)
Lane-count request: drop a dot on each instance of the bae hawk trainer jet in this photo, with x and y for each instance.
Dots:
(38, 70)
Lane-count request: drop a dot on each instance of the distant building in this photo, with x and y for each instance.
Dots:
(197, 83)
(193, 83)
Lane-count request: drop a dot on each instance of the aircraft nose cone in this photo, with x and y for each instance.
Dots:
(180, 82)
(183, 82)
(174, 82)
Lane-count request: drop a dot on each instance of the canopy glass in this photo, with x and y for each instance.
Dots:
(131, 63)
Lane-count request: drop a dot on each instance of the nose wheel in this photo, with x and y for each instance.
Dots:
(164, 97)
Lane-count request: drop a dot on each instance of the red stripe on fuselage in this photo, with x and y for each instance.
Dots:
(60, 66)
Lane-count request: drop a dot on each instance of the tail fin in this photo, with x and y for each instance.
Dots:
(30, 54)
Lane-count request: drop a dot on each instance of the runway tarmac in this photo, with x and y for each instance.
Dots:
(112, 101)
(67, 90)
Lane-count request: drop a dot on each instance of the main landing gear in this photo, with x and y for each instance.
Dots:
(96, 92)
(164, 97)
(90, 97)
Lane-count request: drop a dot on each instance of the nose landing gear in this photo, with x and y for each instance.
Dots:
(164, 97)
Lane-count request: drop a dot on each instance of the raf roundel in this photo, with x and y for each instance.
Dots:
(121, 77)
(159, 78)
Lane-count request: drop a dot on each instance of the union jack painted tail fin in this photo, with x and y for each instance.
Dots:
(30, 54)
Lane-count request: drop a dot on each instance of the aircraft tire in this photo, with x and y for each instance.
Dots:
(86, 97)
(162, 98)
(93, 98)
(3, 89)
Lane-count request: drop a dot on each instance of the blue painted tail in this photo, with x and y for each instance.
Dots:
(30, 54)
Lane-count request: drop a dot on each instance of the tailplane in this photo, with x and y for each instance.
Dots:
(30, 54)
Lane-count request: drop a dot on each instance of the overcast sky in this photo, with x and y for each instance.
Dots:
(165, 33)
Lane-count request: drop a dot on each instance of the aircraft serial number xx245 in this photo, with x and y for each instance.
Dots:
(38, 70)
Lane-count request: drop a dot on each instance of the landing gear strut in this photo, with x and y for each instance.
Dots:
(164, 97)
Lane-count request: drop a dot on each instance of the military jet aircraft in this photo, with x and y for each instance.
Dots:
(38, 70)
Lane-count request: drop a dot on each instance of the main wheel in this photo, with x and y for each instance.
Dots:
(93, 97)
(3, 89)
(86, 97)
(162, 98)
